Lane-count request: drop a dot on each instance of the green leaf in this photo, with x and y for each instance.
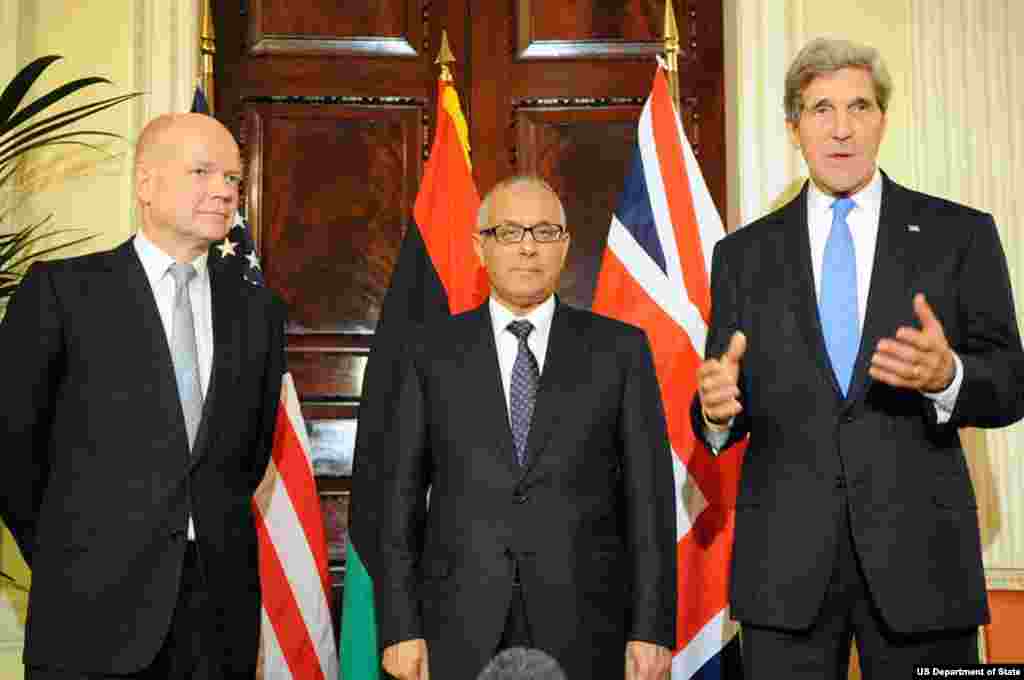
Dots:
(47, 100)
(22, 83)
(55, 140)
(60, 120)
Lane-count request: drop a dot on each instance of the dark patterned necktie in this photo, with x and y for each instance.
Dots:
(523, 389)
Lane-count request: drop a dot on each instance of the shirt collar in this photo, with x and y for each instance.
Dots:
(540, 316)
(868, 199)
(156, 262)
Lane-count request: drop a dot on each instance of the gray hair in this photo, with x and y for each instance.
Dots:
(483, 214)
(827, 55)
(520, 663)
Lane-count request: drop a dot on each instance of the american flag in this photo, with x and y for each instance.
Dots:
(297, 639)
(655, 275)
(237, 252)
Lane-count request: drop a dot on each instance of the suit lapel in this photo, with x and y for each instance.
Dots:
(805, 293)
(130, 280)
(559, 379)
(891, 280)
(229, 316)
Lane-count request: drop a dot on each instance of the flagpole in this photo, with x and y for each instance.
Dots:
(445, 57)
(672, 53)
(207, 48)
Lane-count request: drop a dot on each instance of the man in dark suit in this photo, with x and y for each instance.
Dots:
(138, 412)
(853, 331)
(538, 431)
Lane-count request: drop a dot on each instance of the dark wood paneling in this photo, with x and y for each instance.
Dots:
(334, 106)
(383, 28)
(598, 28)
(331, 215)
(578, 150)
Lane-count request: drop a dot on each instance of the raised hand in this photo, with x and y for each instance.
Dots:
(717, 382)
(916, 359)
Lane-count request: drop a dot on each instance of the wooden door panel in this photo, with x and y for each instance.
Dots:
(381, 28)
(588, 29)
(583, 152)
(331, 214)
(334, 104)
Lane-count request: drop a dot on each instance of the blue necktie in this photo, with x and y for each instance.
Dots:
(523, 388)
(838, 303)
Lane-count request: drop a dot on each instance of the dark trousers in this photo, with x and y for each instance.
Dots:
(187, 653)
(848, 613)
(517, 627)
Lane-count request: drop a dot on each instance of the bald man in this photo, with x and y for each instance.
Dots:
(538, 430)
(138, 413)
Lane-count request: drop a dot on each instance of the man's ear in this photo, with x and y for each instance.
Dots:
(794, 133)
(144, 179)
(478, 247)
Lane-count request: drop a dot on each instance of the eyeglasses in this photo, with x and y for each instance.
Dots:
(508, 233)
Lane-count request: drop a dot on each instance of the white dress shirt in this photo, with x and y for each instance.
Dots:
(863, 221)
(156, 263)
(508, 344)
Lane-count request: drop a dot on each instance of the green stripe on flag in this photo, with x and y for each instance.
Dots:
(359, 656)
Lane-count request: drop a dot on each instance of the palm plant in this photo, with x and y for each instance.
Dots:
(30, 127)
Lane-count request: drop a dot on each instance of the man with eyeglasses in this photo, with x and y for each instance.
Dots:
(539, 433)
(853, 332)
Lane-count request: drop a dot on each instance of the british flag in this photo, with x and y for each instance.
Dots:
(655, 275)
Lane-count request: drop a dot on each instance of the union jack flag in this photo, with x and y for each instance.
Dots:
(655, 275)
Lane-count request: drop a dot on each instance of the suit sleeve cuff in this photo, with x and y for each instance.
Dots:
(715, 434)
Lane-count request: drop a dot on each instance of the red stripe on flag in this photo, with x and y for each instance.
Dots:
(283, 610)
(446, 210)
(678, 195)
(293, 468)
(707, 548)
(618, 294)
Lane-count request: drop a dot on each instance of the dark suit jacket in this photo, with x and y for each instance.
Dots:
(591, 519)
(911, 504)
(97, 482)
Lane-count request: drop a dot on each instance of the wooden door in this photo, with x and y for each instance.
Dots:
(333, 103)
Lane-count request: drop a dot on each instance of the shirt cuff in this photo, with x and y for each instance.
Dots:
(716, 435)
(945, 401)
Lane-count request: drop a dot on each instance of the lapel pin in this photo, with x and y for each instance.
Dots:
(913, 227)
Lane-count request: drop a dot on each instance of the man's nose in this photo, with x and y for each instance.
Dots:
(223, 187)
(843, 126)
(528, 244)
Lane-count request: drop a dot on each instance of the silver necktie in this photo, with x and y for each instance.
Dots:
(184, 352)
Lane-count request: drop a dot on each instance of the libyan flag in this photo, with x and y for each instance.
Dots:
(437, 274)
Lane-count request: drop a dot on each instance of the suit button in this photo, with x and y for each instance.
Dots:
(520, 498)
(840, 482)
(846, 420)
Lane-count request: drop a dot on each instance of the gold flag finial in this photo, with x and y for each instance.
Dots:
(672, 51)
(445, 57)
(207, 48)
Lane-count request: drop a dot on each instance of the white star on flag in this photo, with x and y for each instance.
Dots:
(227, 247)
